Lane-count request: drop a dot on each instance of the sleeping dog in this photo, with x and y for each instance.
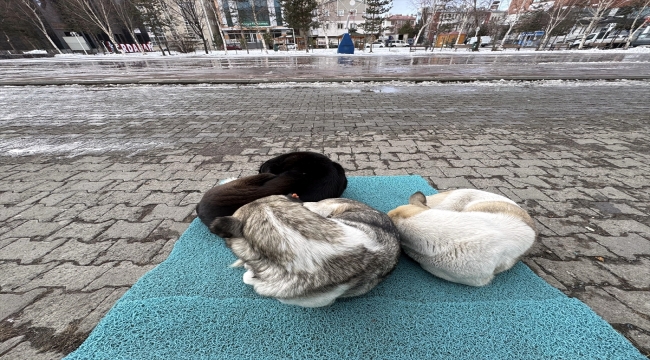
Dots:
(311, 176)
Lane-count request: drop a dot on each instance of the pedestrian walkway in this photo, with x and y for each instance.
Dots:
(98, 182)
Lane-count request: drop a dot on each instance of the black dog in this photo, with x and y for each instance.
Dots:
(317, 176)
(311, 176)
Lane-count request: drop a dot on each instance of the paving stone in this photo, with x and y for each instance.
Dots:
(6, 345)
(630, 272)
(563, 226)
(34, 228)
(576, 246)
(157, 185)
(611, 309)
(69, 276)
(136, 252)
(89, 186)
(12, 303)
(40, 213)
(78, 252)
(26, 251)
(100, 310)
(638, 300)
(531, 193)
(121, 175)
(626, 246)
(24, 351)
(15, 276)
(128, 198)
(525, 182)
(121, 212)
(580, 272)
(619, 227)
(124, 229)
(124, 274)
(58, 309)
(177, 213)
(82, 231)
(54, 199)
(94, 213)
(10, 212)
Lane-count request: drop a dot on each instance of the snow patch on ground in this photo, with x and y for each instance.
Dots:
(64, 146)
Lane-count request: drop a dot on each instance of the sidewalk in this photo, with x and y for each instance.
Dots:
(98, 182)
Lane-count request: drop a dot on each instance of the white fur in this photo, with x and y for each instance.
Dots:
(319, 300)
(464, 247)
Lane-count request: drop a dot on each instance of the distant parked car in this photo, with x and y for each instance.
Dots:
(375, 44)
(397, 43)
(485, 41)
(233, 47)
(643, 39)
(291, 46)
(603, 37)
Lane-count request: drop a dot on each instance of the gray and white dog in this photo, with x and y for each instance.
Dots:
(309, 254)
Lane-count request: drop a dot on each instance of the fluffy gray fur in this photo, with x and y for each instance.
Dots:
(311, 253)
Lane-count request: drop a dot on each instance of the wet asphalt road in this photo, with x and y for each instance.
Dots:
(447, 66)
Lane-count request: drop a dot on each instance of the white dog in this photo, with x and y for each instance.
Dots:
(465, 236)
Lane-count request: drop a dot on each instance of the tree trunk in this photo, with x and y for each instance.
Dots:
(503, 41)
(462, 26)
(417, 37)
(306, 38)
(587, 32)
(205, 44)
(159, 44)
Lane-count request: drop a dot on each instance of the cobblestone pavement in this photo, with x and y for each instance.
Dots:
(97, 183)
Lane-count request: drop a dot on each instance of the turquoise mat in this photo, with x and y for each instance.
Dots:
(193, 306)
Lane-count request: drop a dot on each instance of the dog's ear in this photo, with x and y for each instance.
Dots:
(418, 199)
(227, 227)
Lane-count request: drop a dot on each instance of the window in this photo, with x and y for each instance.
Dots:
(326, 13)
(327, 26)
(340, 12)
(339, 26)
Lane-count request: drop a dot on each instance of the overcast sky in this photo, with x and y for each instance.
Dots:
(403, 7)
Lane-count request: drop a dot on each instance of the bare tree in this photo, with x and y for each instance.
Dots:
(153, 13)
(129, 15)
(32, 12)
(427, 9)
(597, 11)
(324, 10)
(214, 6)
(190, 11)
(511, 21)
(558, 13)
(639, 7)
(97, 12)
(255, 13)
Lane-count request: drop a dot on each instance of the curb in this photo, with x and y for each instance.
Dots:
(441, 79)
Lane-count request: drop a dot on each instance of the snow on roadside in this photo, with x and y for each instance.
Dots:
(332, 52)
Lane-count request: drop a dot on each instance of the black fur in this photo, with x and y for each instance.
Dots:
(320, 177)
(312, 176)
